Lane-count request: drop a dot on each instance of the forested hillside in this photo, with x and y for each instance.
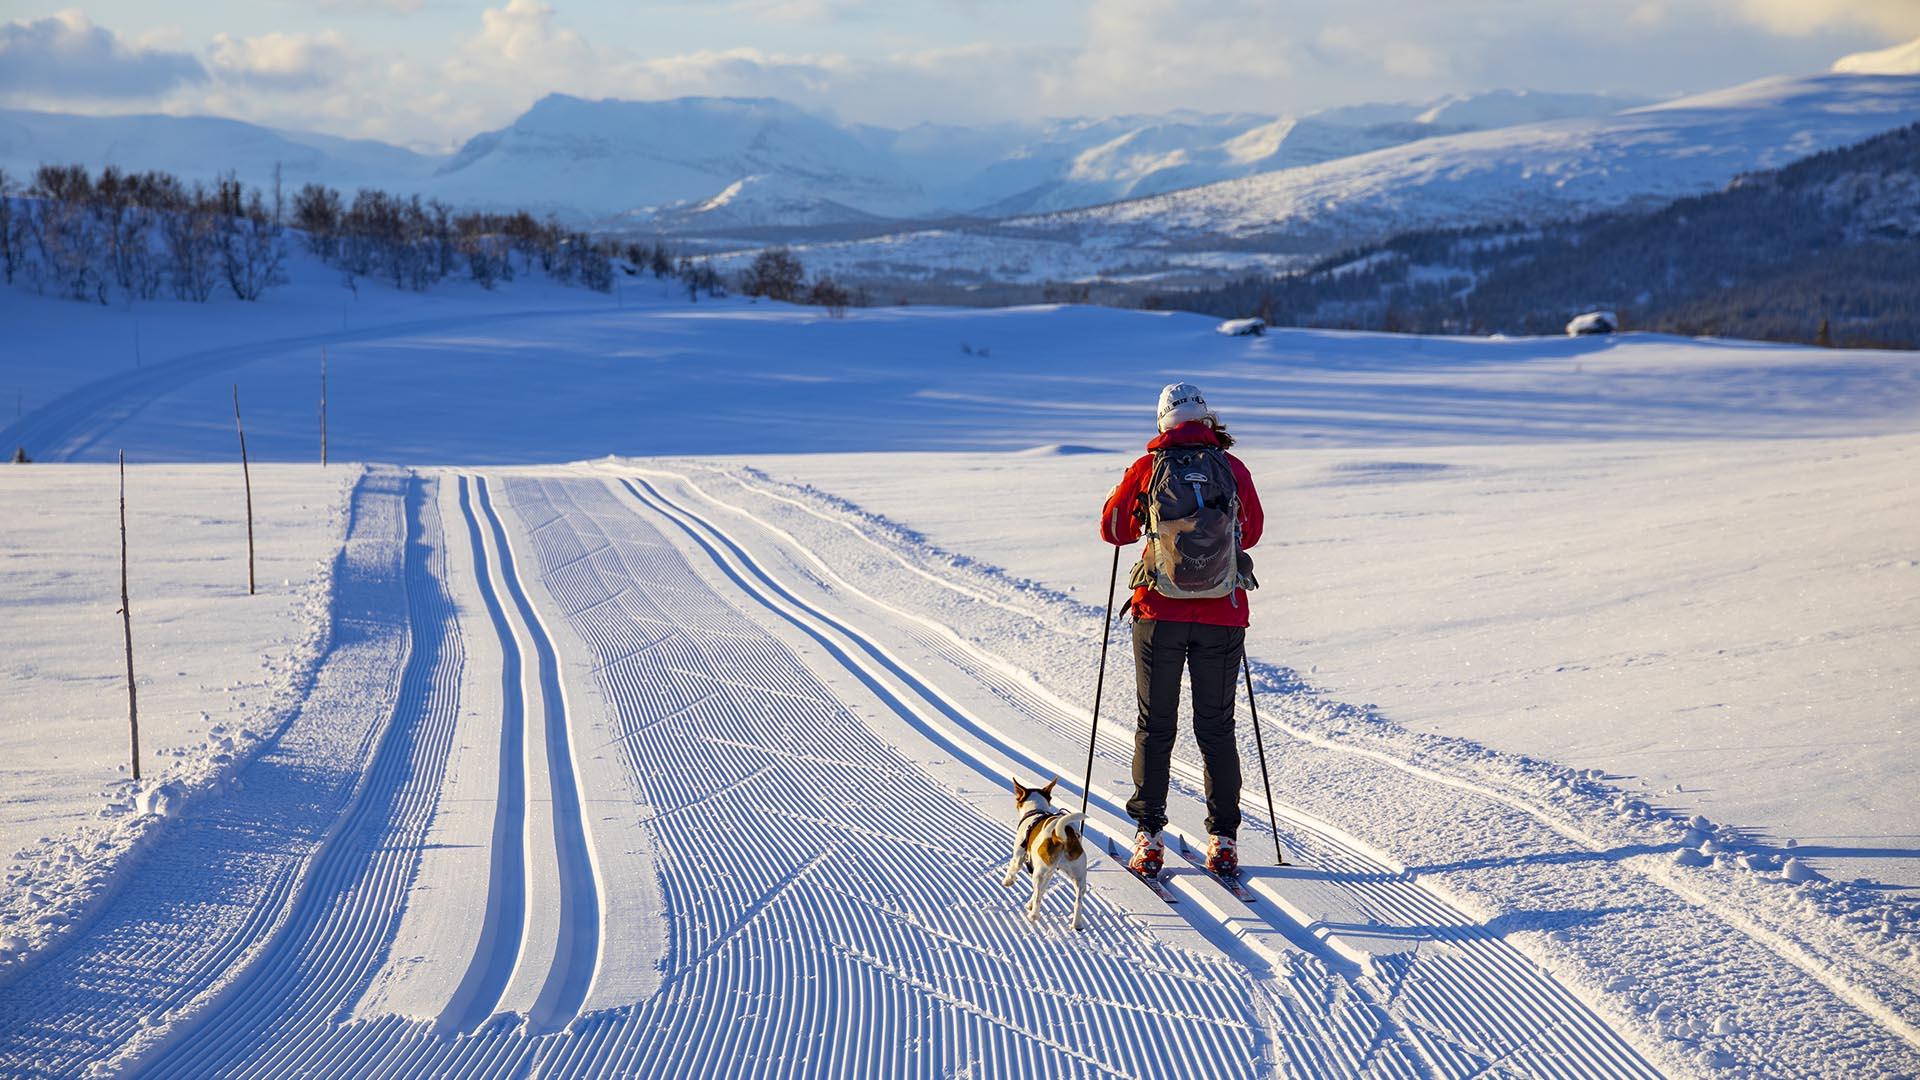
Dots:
(1822, 250)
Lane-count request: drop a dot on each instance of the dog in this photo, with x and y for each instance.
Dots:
(1047, 840)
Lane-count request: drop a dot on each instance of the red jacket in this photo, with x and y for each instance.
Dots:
(1120, 524)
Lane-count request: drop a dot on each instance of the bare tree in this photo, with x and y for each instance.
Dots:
(192, 246)
(831, 295)
(776, 274)
(58, 226)
(9, 237)
(316, 212)
(251, 255)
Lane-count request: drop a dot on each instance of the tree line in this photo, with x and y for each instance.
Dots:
(137, 235)
(141, 235)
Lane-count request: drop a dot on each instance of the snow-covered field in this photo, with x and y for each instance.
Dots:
(1721, 628)
(692, 758)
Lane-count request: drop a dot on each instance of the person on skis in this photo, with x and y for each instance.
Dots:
(1196, 506)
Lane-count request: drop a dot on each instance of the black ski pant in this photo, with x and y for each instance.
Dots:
(1211, 654)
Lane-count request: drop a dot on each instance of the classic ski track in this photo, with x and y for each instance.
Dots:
(1887, 1015)
(1518, 1005)
(767, 962)
(503, 924)
(576, 957)
(281, 1010)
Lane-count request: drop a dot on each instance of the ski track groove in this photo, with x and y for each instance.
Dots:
(503, 923)
(577, 954)
(844, 643)
(315, 967)
(752, 936)
(1514, 999)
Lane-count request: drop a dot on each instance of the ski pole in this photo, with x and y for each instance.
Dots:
(1100, 683)
(1265, 781)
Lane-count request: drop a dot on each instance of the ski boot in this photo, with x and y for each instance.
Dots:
(1148, 854)
(1223, 858)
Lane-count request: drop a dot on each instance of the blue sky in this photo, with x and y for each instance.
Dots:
(430, 73)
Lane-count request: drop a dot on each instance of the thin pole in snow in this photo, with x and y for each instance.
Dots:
(246, 476)
(1100, 683)
(323, 406)
(1279, 857)
(126, 622)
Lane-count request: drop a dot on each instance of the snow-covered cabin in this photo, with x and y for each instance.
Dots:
(1243, 327)
(1593, 322)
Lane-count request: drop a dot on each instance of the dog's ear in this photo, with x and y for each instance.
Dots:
(1048, 790)
(1019, 792)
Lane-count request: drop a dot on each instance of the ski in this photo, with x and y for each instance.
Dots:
(1159, 887)
(1233, 885)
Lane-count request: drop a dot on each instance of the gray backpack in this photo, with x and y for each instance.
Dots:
(1192, 506)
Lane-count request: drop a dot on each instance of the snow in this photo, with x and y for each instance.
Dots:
(1641, 608)
(203, 148)
(1893, 60)
(1593, 322)
(678, 164)
(1534, 171)
(217, 670)
(1580, 663)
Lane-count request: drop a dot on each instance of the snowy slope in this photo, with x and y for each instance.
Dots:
(705, 164)
(1541, 170)
(203, 148)
(620, 156)
(645, 766)
(1535, 171)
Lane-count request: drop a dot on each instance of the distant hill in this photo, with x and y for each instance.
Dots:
(1833, 239)
(202, 148)
(1638, 158)
(706, 164)
(1536, 171)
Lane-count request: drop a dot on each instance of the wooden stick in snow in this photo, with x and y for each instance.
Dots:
(323, 406)
(247, 476)
(126, 621)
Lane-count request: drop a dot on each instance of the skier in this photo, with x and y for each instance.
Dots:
(1196, 505)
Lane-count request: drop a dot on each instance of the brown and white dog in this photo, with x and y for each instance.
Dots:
(1047, 839)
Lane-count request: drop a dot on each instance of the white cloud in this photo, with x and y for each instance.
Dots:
(66, 57)
(1898, 60)
(279, 61)
(1120, 56)
(398, 6)
(1897, 17)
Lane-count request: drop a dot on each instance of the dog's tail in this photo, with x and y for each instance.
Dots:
(1066, 829)
(1059, 827)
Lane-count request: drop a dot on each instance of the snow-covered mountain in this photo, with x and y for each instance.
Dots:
(707, 164)
(203, 147)
(1538, 171)
(1653, 153)
(605, 158)
(1065, 164)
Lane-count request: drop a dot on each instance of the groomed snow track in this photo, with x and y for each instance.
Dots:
(826, 817)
